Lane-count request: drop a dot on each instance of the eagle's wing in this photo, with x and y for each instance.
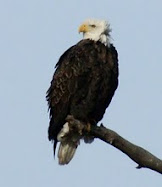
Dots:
(69, 85)
(77, 85)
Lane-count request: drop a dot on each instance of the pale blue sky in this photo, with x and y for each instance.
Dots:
(33, 35)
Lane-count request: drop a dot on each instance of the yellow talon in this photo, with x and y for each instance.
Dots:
(88, 127)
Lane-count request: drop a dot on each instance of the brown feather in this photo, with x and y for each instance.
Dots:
(83, 84)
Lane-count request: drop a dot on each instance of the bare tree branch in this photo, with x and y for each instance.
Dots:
(142, 157)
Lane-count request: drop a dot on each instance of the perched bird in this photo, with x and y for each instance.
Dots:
(83, 85)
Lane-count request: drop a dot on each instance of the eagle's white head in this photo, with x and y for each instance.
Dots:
(97, 30)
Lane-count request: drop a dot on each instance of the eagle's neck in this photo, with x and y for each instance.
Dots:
(103, 38)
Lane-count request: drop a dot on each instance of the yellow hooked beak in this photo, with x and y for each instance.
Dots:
(83, 28)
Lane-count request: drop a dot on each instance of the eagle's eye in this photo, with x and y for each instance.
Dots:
(93, 25)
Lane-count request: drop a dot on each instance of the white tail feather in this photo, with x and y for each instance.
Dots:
(66, 151)
(69, 141)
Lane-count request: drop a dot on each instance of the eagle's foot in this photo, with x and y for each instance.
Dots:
(79, 129)
(87, 127)
(75, 125)
(88, 138)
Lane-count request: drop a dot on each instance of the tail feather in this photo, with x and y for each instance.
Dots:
(66, 152)
(69, 140)
(54, 147)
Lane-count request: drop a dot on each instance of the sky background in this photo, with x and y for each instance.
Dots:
(33, 35)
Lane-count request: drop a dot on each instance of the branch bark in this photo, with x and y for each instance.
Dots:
(142, 157)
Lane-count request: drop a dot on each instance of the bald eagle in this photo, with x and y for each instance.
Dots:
(83, 85)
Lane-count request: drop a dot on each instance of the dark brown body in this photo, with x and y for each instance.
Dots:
(83, 84)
